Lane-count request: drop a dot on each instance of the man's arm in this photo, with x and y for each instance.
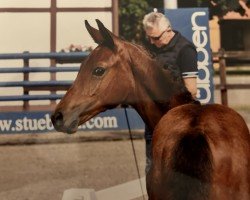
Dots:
(191, 85)
(188, 64)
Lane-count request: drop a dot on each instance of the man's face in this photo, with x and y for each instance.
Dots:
(159, 37)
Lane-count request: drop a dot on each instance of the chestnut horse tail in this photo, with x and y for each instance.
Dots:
(191, 168)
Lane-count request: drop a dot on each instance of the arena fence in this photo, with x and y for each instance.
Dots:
(27, 85)
(36, 119)
(225, 59)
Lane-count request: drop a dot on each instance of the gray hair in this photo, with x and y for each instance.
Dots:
(155, 19)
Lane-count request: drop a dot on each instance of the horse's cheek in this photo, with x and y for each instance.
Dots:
(91, 87)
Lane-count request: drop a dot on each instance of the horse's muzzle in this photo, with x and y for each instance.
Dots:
(58, 123)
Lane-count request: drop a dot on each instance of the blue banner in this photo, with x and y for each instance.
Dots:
(193, 24)
(39, 122)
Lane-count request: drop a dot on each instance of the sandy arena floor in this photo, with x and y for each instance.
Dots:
(43, 172)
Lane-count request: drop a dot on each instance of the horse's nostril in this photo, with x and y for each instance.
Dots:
(59, 116)
(57, 119)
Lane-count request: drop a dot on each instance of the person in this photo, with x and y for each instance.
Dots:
(174, 52)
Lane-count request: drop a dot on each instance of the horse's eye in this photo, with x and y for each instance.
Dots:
(98, 71)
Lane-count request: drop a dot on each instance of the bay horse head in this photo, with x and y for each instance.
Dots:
(101, 83)
(116, 72)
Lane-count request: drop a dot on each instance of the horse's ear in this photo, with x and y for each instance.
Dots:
(95, 34)
(106, 34)
(101, 36)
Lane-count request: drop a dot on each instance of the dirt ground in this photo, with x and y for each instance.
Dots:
(45, 171)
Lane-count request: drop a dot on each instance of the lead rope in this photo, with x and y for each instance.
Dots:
(133, 147)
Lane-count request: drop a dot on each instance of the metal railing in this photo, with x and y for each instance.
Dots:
(51, 85)
(237, 57)
(77, 57)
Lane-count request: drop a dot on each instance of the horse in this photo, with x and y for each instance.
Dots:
(198, 151)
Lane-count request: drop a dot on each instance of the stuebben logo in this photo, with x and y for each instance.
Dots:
(26, 124)
(200, 40)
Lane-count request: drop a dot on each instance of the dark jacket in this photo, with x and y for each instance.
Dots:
(169, 56)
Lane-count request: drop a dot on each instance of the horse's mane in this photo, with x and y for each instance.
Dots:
(138, 46)
(143, 49)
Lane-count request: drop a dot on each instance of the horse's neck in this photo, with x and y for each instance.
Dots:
(148, 109)
(156, 91)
